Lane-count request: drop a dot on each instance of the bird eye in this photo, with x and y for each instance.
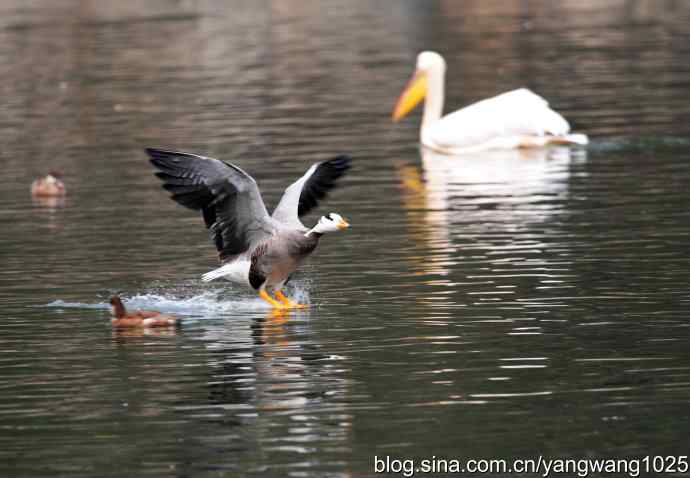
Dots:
(328, 216)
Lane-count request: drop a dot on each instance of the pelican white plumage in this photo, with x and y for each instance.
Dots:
(516, 119)
(255, 249)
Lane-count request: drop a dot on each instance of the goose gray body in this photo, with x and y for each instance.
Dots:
(254, 248)
(274, 261)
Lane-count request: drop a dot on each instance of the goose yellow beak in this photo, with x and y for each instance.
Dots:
(343, 224)
(414, 92)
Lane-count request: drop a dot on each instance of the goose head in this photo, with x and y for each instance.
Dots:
(330, 223)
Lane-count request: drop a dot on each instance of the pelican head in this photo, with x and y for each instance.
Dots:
(330, 223)
(429, 64)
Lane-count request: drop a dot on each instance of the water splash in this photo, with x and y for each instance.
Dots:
(62, 304)
(206, 304)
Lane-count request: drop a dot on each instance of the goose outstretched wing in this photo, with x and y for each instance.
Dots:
(304, 194)
(228, 198)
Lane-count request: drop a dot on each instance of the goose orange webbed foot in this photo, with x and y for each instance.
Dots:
(288, 303)
(276, 305)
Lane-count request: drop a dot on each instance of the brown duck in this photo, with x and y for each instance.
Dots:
(49, 185)
(139, 318)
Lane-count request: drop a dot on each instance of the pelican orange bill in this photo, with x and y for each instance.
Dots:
(414, 92)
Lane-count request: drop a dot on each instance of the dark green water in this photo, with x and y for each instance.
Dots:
(497, 306)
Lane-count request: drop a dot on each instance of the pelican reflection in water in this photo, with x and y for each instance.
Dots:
(480, 198)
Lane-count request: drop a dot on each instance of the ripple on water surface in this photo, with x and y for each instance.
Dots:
(496, 306)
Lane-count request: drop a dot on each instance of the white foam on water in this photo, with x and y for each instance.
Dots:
(197, 305)
(206, 304)
(299, 295)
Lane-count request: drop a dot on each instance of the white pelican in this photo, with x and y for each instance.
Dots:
(255, 249)
(518, 118)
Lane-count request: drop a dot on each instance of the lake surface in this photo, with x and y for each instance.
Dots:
(495, 306)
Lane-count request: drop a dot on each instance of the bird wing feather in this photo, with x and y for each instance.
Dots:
(304, 194)
(228, 197)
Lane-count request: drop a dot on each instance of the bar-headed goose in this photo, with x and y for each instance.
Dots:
(255, 249)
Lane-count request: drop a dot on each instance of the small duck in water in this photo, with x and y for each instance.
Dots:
(140, 318)
(49, 186)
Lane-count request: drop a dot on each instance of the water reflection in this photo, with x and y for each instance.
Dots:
(48, 202)
(479, 196)
(269, 368)
(121, 334)
(225, 392)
